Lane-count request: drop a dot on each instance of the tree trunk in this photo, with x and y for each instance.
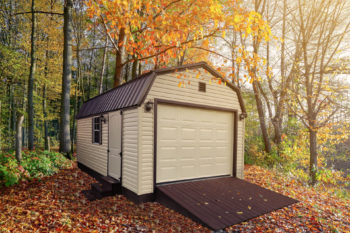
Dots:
(31, 82)
(261, 114)
(103, 66)
(107, 73)
(46, 130)
(65, 140)
(118, 58)
(20, 119)
(140, 68)
(278, 119)
(12, 119)
(0, 127)
(75, 108)
(277, 126)
(259, 104)
(313, 155)
(134, 68)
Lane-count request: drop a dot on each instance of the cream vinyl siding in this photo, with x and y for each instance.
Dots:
(92, 155)
(166, 87)
(130, 134)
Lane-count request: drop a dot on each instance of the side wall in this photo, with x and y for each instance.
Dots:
(166, 87)
(130, 141)
(92, 155)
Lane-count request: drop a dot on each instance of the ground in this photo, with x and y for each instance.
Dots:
(56, 204)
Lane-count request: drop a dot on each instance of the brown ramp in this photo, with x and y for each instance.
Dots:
(220, 202)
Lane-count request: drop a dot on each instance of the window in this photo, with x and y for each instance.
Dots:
(96, 130)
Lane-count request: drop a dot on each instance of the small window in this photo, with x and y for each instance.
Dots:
(202, 87)
(96, 130)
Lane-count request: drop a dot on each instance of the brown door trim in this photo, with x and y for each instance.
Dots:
(178, 103)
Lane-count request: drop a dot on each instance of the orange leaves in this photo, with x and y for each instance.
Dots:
(157, 26)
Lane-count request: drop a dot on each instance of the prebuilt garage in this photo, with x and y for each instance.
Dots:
(152, 131)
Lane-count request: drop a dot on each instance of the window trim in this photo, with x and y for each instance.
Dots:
(94, 130)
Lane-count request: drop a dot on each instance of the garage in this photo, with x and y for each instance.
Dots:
(169, 125)
(193, 142)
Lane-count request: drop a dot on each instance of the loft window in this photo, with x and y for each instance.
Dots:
(201, 87)
(96, 130)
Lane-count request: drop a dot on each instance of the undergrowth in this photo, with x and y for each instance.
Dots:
(34, 164)
(292, 159)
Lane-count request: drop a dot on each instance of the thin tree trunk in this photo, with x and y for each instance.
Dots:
(78, 81)
(0, 127)
(118, 58)
(259, 104)
(75, 108)
(134, 68)
(46, 130)
(261, 114)
(20, 119)
(140, 68)
(313, 156)
(107, 73)
(277, 121)
(103, 66)
(13, 116)
(65, 140)
(31, 82)
(126, 71)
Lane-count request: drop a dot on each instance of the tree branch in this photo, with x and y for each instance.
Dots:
(39, 12)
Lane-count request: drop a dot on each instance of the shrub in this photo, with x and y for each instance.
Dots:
(33, 165)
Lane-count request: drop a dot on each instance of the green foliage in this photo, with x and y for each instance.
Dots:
(292, 158)
(34, 164)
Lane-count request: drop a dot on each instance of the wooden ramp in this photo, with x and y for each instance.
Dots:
(220, 202)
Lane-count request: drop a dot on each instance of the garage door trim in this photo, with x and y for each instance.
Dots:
(183, 104)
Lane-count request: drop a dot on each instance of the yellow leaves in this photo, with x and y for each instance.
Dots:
(238, 59)
(223, 34)
(237, 19)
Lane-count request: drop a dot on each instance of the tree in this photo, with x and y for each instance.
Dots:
(19, 123)
(65, 139)
(30, 105)
(322, 25)
(153, 30)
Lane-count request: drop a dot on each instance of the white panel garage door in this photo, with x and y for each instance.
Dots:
(193, 143)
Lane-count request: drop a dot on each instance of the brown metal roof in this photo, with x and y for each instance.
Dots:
(130, 94)
(133, 93)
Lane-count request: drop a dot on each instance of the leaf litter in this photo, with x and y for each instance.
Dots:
(56, 204)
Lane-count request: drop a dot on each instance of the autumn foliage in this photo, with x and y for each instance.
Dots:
(162, 30)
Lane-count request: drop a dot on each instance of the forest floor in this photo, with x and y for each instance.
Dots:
(56, 204)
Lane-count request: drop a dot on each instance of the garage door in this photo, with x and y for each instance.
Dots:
(193, 143)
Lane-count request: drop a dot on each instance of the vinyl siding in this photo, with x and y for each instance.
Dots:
(166, 87)
(130, 149)
(92, 155)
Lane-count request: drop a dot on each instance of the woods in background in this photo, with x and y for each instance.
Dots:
(285, 55)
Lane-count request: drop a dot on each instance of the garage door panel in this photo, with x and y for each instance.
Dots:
(193, 143)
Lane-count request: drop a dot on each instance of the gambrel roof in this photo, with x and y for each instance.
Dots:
(133, 93)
